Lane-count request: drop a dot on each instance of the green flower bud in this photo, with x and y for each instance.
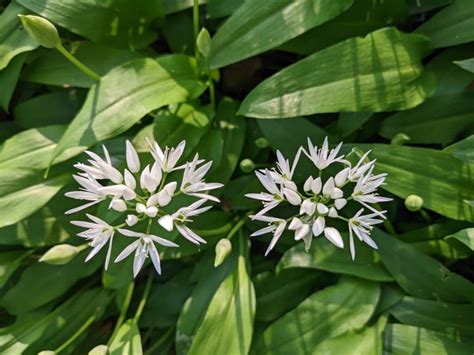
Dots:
(203, 42)
(262, 142)
(223, 250)
(60, 254)
(99, 350)
(41, 30)
(247, 166)
(413, 203)
(47, 352)
(399, 139)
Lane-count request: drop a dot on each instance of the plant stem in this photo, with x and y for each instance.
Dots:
(196, 27)
(123, 311)
(238, 225)
(142, 303)
(212, 92)
(77, 63)
(76, 335)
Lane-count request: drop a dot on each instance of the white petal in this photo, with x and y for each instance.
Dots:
(130, 233)
(332, 212)
(83, 207)
(109, 252)
(118, 205)
(351, 243)
(341, 177)
(292, 196)
(318, 226)
(328, 187)
(139, 260)
(276, 237)
(265, 230)
(316, 185)
(340, 203)
(302, 232)
(129, 180)
(127, 251)
(151, 211)
(322, 209)
(133, 162)
(164, 242)
(131, 220)
(307, 184)
(295, 224)
(333, 235)
(166, 222)
(140, 208)
(155, 259)
(190, 235)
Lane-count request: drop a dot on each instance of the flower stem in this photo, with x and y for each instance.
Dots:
(196, 27)
(123, 311)
(142, 303)
(76, 335)
(238, 225)
(212, 92)
(79, 65)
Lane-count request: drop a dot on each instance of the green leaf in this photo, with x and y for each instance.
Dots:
(52, 68)
(127, 340)
(9, 262)
(450, 26)
(463, 149)
(254, 28)
(23, 192)
(59, 279)
(465, 236)
(467, 64)
(230, 315)
(222, 8)
(367, 341)
(360, 19)
(13, 39)
(233, 128)
(441, 119)
(32, 148)
(326, 314)
(405, 339)
(125, 95)
(417, 6)
(420, 275)
(350, 122)
(117, 22)
(172, 6)
(433, 231)
(278, 294)
(450, 78)
(435, 315)
(53, 328)
(324, 256)
(444, 182)
(380, 72)
(8, 79)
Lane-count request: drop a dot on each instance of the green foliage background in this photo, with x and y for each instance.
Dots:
(393, 76)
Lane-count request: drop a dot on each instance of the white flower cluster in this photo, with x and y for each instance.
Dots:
(143, 195)
(323, 198)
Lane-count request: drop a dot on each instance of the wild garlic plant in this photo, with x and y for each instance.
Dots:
(143, 197)
(322, 198)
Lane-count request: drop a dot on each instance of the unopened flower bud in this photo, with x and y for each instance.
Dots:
(223, 250)
(99, 350)
(262, 143)
(413, 203)
(247, 166)
(60, 254)
(41, 30)
(131, 220)
(399, 139)
(118, 205)
(203, 42)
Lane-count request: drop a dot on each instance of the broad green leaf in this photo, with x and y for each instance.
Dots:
(51, 68)
(13, 39)
(59, 278)
(420, 275)
(405, 339)
(196, 306)
(450, 78)
(444, 182)
(125, 95)
(222, 8)
(31, 149)
(235, 190)
(254, 28)
(435, 315)
(9, 78)
(440, 119)
(326, 314)
(363, 17)
(463, 149)
(50, 330)
(127, 340)
(62, 107)
(324, 256)
(233, 129)
(380, 72)
(115, 22)
(185, 121)
(448, 249)
(166, 300)
(368, 341)
(172, 6)
(350, 122)
(417, 6)
(23, 192)
(467, 64)
(434, 231)
(211, 148)
(465, 236)
(230, 315)
(278, 294)
(9, 262)
(450, 26)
